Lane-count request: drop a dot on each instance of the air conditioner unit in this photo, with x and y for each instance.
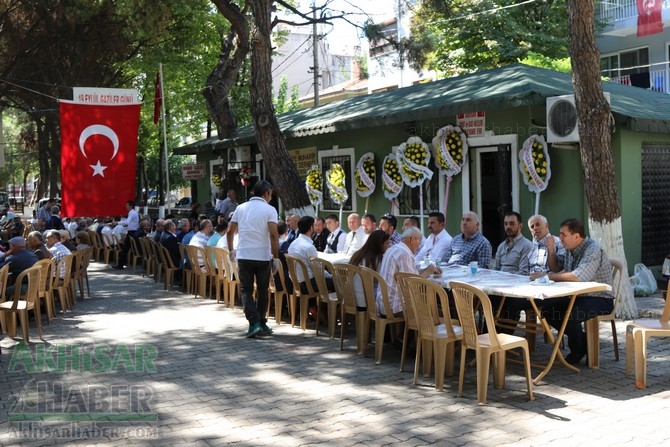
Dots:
(562, 125)
(238, 157)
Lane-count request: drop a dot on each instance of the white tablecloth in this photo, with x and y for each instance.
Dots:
(495, 282)
(334, 258)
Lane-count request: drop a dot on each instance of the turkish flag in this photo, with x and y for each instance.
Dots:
(158, 98)
(649, 18)
(98, 158)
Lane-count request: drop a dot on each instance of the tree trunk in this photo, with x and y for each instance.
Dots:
(281, 169)
(593, 114)
(44, 156)
(220, 82)
(52, 128)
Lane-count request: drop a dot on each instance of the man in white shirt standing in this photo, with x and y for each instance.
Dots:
(255, 222)
(356, 237)
(132, 224)
(438, 241)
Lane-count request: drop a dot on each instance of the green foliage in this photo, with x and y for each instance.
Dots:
(538, 60)
(48, 46)
(282, 102)
(460, 36)
(20, 149)
(363, 64)
(187, 50)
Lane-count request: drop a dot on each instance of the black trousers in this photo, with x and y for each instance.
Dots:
(123, 256)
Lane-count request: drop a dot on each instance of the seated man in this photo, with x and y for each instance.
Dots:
(19, 259)
(388, 224)
(585, 260)
(337, 237)
(303, 248)
(356, 237)
(413, 221)
(57, 249)
(512, 257)
(169, 241)
(55, 222)
(35, 243)
(438, 241)
(470, 245)
(17, 227)
(292, 233)
(369, 223)
(321, 233)
(400, 258)
(547, 248)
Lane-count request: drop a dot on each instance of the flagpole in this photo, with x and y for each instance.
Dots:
(165, 147)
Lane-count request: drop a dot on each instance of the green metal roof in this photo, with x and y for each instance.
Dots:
(511, 86)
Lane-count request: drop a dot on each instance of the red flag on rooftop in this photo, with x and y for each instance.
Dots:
(158, 98)
(98, 158)
(649, 19)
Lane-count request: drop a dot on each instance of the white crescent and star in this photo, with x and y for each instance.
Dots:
(99, 129)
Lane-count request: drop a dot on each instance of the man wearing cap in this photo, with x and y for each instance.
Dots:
(18, 258)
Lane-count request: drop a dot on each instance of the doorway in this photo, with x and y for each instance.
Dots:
(491, 192)
(492, 176)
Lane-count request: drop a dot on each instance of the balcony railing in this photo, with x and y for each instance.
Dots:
(618, 10)
(658, 80)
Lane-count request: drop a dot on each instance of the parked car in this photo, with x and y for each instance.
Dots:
(171, 201)
(184, 202)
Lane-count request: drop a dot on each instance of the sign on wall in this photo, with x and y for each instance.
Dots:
(303, 158)
(473, 123)
(193, 171)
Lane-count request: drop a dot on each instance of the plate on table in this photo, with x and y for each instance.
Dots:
(535, 283)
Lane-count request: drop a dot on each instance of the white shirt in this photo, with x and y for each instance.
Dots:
(132, 221)
(340, 242)
(252, 219)
(120, 232)
(398, 258)
(199, 239)
(354, 241)
(223, 242)
(72, 228)
(435, 246)
(107, 234)
(303, 248)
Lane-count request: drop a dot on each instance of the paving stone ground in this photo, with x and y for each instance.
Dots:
(209, 386)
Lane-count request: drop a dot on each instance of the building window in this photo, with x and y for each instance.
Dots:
(409, 202)
(383, 45)
(345, 157)
(625, 63)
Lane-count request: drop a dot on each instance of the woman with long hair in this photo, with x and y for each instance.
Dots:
(369, 255)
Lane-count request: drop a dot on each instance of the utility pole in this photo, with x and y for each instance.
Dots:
(315, 50)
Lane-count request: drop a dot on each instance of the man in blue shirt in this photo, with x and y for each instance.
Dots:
(470, 245)
(19, 259)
